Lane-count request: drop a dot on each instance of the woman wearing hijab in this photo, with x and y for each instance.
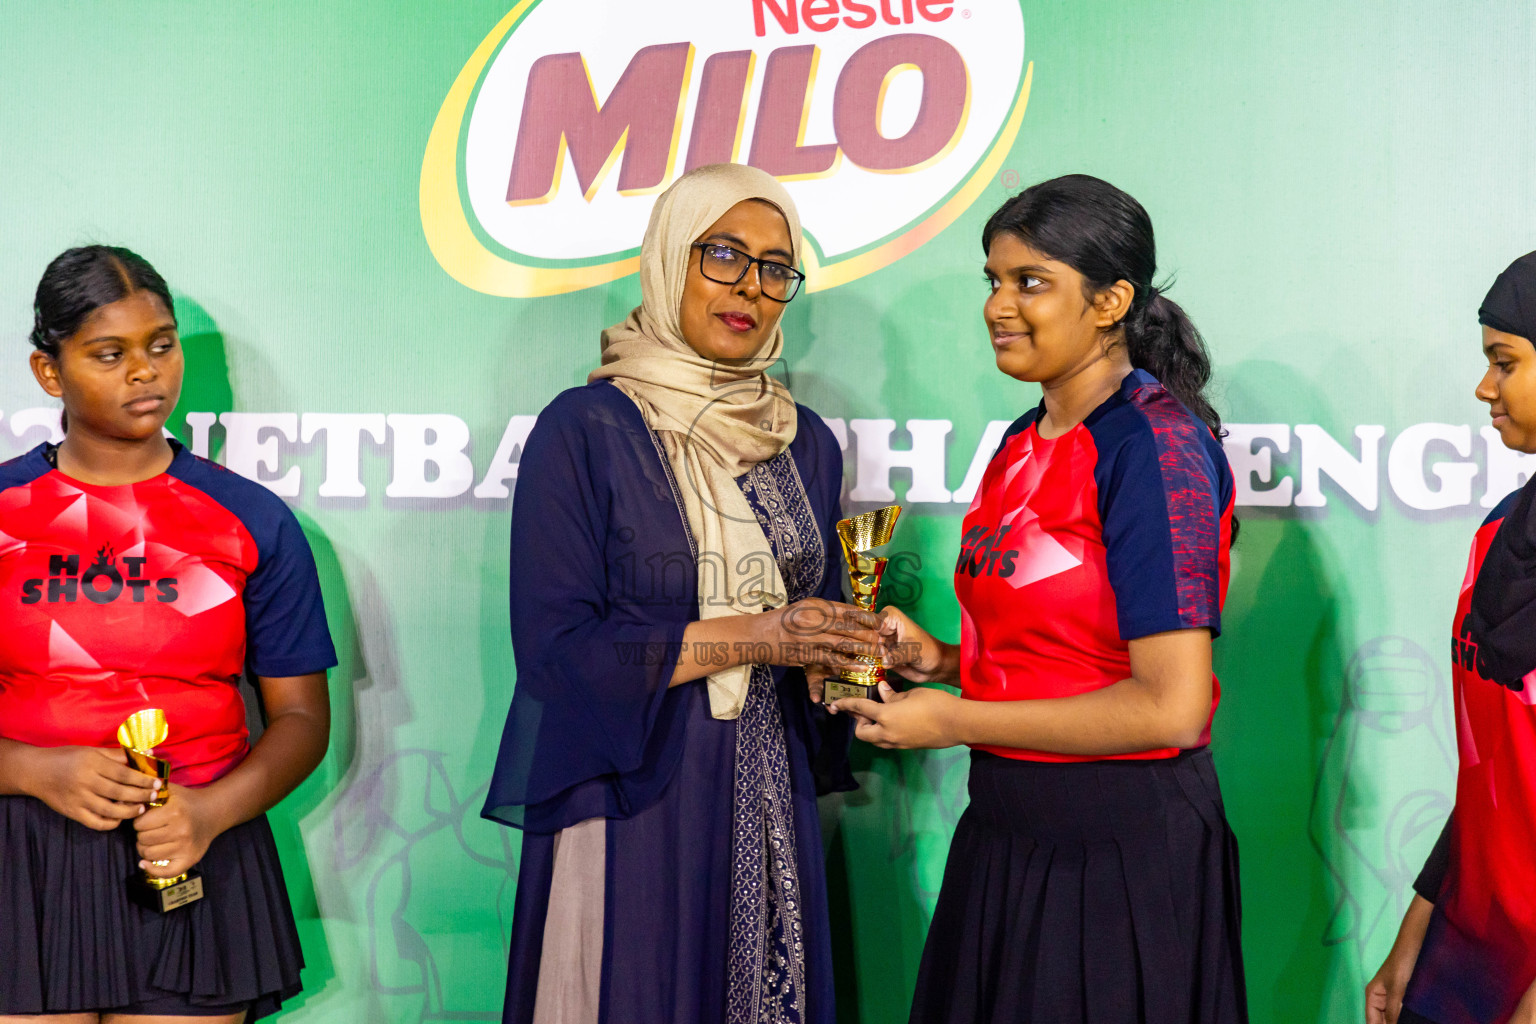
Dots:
(1466, 952)
(672, 552)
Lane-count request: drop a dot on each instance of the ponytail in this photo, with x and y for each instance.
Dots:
(1161, 339)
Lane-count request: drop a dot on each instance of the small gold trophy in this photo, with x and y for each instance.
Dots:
(139, 736)
(860, 535)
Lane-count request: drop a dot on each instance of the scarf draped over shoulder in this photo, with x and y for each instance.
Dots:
(714, 420)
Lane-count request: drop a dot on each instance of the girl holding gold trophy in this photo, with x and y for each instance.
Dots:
(139, 880)
(1093, 877)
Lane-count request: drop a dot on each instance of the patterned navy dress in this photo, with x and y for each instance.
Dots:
(712, 902)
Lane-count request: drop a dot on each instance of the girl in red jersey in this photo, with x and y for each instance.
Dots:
(1466, 951)
(1093, 877)
(136, 575)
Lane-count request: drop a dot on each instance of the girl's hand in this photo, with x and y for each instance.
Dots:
(919, 719)
(1525, 1013)
(911, 650)
(92, 786)
(1384, 992)
(174, 837)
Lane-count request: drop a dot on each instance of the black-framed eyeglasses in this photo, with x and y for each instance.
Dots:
(725, 264)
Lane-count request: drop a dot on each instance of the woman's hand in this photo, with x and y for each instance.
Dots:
(92, 786)
(919, 719)
(825, 635)
(822, 634)
(915, 653)
(1384, 992)
(816, 677)
(174, 837)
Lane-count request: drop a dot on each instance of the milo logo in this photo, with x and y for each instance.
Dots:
(885, 120)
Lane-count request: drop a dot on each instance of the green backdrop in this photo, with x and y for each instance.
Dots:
(1333, 185)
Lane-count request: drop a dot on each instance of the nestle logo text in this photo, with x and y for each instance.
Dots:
(825, 15)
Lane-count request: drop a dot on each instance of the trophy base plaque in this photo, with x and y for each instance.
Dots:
(855, 683)
(163, 895)
(837, 689)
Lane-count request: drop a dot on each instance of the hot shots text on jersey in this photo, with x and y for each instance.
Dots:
(102, 582)
(983, 552)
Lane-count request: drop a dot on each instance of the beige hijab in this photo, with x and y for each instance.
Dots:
(714, 420)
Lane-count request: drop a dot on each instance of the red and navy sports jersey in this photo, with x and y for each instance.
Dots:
(1479, 953)
(155, 594)
(1076, 545)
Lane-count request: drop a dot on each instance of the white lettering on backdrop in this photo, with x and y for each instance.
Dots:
(1424, 466)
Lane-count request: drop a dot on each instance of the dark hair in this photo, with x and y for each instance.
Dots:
(80, 281)
(1105, 235)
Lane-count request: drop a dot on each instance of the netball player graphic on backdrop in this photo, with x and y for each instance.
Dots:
(1466, 952)
(1369, 824)
(409, 842)
(136, 575)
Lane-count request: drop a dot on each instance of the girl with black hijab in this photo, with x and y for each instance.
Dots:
(1466, 952)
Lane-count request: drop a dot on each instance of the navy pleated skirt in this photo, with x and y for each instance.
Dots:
(1103, 892)
(71, 941)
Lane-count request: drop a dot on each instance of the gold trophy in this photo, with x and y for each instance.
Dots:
(860, 535)
(139, 736)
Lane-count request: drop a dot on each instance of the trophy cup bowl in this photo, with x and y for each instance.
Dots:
(860, 535)
(138, 736)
